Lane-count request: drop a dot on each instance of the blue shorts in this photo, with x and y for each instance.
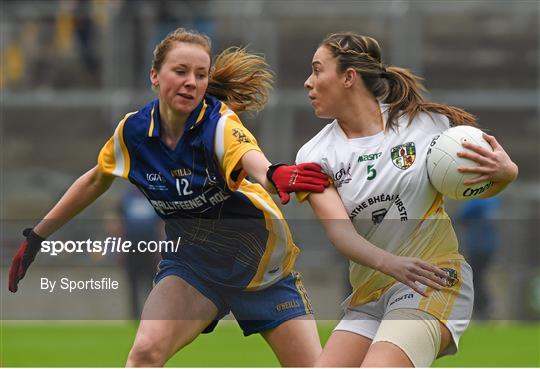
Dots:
(255, 311)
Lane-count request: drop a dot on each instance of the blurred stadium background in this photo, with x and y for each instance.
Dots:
(71, 69)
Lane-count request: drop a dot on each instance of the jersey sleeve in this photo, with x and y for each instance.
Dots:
(442, 122)
(309, 154)
(114, 158)
(232, 141)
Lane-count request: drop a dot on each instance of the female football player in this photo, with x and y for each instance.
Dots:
(383, 213)
(189, 154)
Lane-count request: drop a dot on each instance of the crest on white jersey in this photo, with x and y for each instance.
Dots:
(403, 155)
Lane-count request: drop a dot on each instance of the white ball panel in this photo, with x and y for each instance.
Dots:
(438, 174)
(449, 183)
(442, 162)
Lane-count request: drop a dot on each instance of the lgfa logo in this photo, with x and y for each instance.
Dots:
(343, 176)
(154, 177)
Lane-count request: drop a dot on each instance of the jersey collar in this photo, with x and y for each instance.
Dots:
(153, 130)
(194, 118)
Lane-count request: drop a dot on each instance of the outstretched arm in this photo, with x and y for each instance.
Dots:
(341, 232)
(256, 164)
(84, 191)
(495, 166)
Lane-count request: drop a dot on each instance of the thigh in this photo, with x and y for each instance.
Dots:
(295, 342)
(406, 338)
(173, 315)
(282, 314)
(389, 354)
(344, 349)
(451, 305)
(350, 341)
(384, 354)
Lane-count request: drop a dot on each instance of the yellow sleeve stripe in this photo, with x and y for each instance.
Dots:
(106, 160)
(121, 154)
(151, 129)
(277, 260)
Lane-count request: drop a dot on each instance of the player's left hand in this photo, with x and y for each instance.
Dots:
(414, 272)
(495, 166)
(291, 178)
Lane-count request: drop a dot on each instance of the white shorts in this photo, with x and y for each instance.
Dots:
(452, 305)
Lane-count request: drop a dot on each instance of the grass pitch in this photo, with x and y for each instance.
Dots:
(90, 344)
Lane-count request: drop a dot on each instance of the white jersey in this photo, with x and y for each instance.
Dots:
(383, 183)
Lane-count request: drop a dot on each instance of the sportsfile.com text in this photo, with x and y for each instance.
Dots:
(109, 245)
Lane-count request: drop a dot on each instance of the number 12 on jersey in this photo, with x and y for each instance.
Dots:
(182, 185)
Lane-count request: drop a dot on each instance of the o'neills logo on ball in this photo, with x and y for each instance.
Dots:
(471, 192)
(403, 155)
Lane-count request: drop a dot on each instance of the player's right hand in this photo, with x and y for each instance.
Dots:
(409, 271)
(24, 257)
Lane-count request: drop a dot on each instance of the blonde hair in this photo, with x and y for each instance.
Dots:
(240, 79)
(397, 87)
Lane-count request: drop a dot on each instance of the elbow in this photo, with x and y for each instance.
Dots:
(98, 180)
(333, 234)
(329, 228)
(335, 231)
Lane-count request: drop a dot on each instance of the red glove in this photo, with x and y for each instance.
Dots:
(24, 257)
(291, 178)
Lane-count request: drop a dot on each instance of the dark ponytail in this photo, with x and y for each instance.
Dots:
(404, 97)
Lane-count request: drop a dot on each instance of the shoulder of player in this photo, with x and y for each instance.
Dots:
(139, 124)
(427, 122)
(225, 116)
(318, 143)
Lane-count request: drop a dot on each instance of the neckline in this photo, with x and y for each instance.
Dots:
(366, 141)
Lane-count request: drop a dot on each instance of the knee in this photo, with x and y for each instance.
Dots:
(325, 361)
(146, 353)
(320, 363)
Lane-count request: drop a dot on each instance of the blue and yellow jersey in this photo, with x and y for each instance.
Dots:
(231, 231)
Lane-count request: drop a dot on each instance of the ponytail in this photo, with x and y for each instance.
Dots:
(240, 79)
(404, 97)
